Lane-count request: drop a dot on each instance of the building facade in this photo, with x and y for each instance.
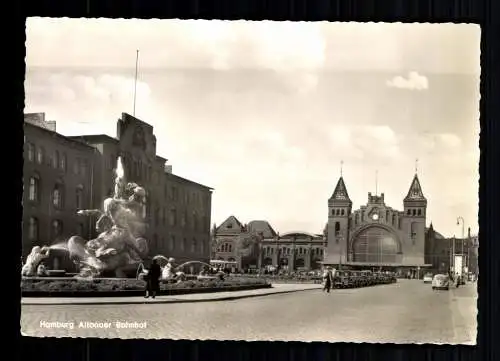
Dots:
(177, 212)
(376, 235)
(256, 245)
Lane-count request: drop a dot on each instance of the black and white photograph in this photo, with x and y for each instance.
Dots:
(251, 180)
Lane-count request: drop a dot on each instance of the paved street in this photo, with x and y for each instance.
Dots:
(405, 312)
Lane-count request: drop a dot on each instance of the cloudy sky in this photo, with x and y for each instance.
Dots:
(264, 112)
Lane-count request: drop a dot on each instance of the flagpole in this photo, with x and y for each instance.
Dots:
(135, 79)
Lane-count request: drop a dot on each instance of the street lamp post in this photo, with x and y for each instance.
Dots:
(460, 219)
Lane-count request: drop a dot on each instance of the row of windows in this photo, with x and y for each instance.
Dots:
(195, 222)
(57, 229)
(289, 250)
(414, 212)
(339, 212)
(192, 246)
(57, 160)
(141, 171)
(57, 195)
(226, 248)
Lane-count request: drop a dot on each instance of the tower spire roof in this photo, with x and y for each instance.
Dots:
(415, 192)
(340, 192)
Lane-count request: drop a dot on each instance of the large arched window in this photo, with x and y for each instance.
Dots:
(375, 245)
(62, 162)
(195, 221)
(79, 197)
(58, 195)
(31, 152)
(57, 228)
(40, 155)
(34, 188)
(55, 160)
(33, 229)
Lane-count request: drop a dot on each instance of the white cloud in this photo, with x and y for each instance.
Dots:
(414, 81)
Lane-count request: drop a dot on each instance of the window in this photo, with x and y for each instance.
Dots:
(31, 152)
(375, 244)
(342, 212)
(145, 207)
(164, 216)
(184, 222)
(408, 212)
(55, 160)
(414, 212)
(419, 212)
(80, 229)
(40, 154)
(356, 218)
(155, 241)
(193, 246)
(76, 166)
(202, 247)
(79, 197)
(157, 215)
(337, 228)
(57, 228)
(34, 189)
(33, 229)
(195, 222)
(83, 166)
(393, 219)
(172, 242)
(62, 162)
(230, 247)
(337, 212)
(387, 216)
(183, 244)
(173, 217)
(58, 196)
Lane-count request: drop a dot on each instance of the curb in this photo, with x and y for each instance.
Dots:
(227, 298)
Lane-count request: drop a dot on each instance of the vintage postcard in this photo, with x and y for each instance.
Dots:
(243, 180)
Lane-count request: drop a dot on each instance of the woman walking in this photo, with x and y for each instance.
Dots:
(153, 279)
(327, 279)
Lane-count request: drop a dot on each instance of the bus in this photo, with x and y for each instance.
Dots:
(221, 264)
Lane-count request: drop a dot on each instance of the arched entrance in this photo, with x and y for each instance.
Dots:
(375, 245)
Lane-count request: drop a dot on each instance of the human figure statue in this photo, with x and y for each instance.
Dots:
(33, 260)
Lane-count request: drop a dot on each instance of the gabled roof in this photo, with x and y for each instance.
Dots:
(340, 192)
(261, 227)
(231, 224)
(415, 192)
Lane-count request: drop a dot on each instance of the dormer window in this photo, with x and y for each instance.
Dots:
(230, 225)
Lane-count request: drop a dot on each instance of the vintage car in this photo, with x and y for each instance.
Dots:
(342, 280)
(428, 277)
(441, 282)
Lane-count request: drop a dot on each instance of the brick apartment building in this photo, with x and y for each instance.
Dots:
(64, 174)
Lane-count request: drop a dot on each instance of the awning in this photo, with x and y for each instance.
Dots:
(374, 264)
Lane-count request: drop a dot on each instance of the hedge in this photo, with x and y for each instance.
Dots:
(73, 287)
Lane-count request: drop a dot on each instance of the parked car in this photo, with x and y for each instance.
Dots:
(428, 278)
(441, 282)
(342, 280)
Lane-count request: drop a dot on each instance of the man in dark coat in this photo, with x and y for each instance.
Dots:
(153, 279)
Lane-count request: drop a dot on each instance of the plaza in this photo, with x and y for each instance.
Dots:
(404, 312)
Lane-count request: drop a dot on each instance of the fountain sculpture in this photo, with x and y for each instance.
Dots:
(37, 255)
(119, 246)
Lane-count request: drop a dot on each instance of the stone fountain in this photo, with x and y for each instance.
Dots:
(119, 247)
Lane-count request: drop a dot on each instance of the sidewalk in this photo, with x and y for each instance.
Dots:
(463, 305)
(200, 297)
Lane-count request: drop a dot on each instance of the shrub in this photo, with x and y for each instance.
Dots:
(123, 284)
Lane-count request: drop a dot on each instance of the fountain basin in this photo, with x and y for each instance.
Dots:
(122, 287)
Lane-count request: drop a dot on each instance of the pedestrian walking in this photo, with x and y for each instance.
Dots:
(153, 279)
(327, 279)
